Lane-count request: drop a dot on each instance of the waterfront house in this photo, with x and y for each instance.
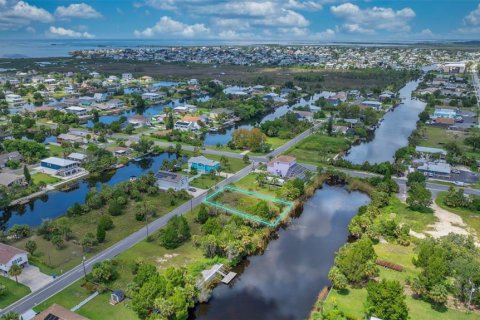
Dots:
(216, 113)
(59, 167)
(377, 105)
(184, 126)
(186, 108)
(79, 111)
(14, 99)
(79, 157)
(115, 104)
(304, 115)
(9, 179)
(280, 165)
(100, 97)
(70, 138)
(127, 76)
(429, 151)
(11, 156)
(203, 165)
(171, 180)
(151, 96)
(138, 121)
(86, 100)
(286, 167)
(9, 256)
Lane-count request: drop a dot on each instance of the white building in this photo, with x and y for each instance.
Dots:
(127, 76)
(9, 256)
(170, 180)
(14, 99)
(79, 111)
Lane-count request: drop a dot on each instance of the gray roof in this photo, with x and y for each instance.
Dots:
(59, 161)
(15, 155)
(77, 156)
(8, 178)
(203, 160)
(168, 176)
(435, 167)
(430, 150)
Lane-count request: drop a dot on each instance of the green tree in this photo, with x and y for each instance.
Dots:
(415, 177)
(88, 241)
(27, 175)
(202, 215)
(174, 233)
(31, 246)
(357, 260)
(419, 197)
(15, 271)
(246, 159)
(101, 233)
(104, 272)
(386, 300)
(339, 281)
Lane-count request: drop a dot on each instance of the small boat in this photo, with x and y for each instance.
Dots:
(133, 178)
(138, 159)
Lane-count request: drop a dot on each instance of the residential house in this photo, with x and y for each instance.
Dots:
(14, 99)
(151, 96)
(171, 180)
(79, 111)
(115, 104)
(429, 151)
(445, 121)
(184, 126)
(304, 115)
(10, 256)
(11, 156)
(127, 76)
(70, 138)
(454, 67)
(9, 179)
(377, 105)
(57, 312)
(120, 151)
(138, 121)
(286, 167)
(59, 167)
(186, 108)
(100, 97)
(203, 164)
(216, 113)
(86, 100)
(79, 157)
(344, 130)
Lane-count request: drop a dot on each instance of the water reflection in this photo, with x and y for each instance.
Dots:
(283, 283)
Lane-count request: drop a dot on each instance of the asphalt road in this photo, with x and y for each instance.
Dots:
(77, 273)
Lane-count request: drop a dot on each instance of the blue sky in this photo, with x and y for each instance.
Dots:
(241, 20)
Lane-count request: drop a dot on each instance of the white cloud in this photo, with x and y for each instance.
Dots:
(286, 18)
(68, 33)
(473, 18)
(167, 27)
(77, 10)
(471, 22)
(370, 20)
(18, 14)
(304, 5)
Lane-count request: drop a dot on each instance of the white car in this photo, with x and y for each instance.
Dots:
(459, 183)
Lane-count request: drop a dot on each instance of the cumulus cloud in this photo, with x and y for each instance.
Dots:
(18, 14)
(167, 27)
(77, 10)
(370, 20)
(471, 22)
(68, 33)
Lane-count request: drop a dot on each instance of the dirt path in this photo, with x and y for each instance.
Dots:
(448, 222)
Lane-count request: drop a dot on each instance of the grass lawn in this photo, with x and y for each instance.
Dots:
(51, 260)
(418, 221)
(55, 151)
(40, 176)
(437, 137)
(249, 183)
(471, 218)
(205, 181)
(150, 252)
(352, 301)
(248, 204)
(15, 291)
(318, 148)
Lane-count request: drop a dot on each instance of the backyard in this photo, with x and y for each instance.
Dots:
(43, 177)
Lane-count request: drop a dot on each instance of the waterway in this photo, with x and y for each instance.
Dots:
(284, 282)
(56, 203)
(393, 132)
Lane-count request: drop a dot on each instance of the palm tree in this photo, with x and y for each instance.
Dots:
(15, 271)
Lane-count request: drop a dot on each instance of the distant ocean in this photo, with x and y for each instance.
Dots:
(61, 47)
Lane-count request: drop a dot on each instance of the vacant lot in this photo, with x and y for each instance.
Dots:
(319, 148)
(249, 205)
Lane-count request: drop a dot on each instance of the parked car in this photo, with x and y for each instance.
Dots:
(456, 171)
(459, 183)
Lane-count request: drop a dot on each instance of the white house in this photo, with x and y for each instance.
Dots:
(170, 180)
(9, 256)
(127, 76)
(14, 99)
(79, 111)
(184, 126)
(138, 121)
(151, 96)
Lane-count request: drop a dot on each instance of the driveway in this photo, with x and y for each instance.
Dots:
(33, 278)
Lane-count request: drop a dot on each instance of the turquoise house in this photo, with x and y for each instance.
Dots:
(202, 164)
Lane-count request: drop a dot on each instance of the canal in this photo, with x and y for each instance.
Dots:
(284, 282)
(393, 132)
(56, 203)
